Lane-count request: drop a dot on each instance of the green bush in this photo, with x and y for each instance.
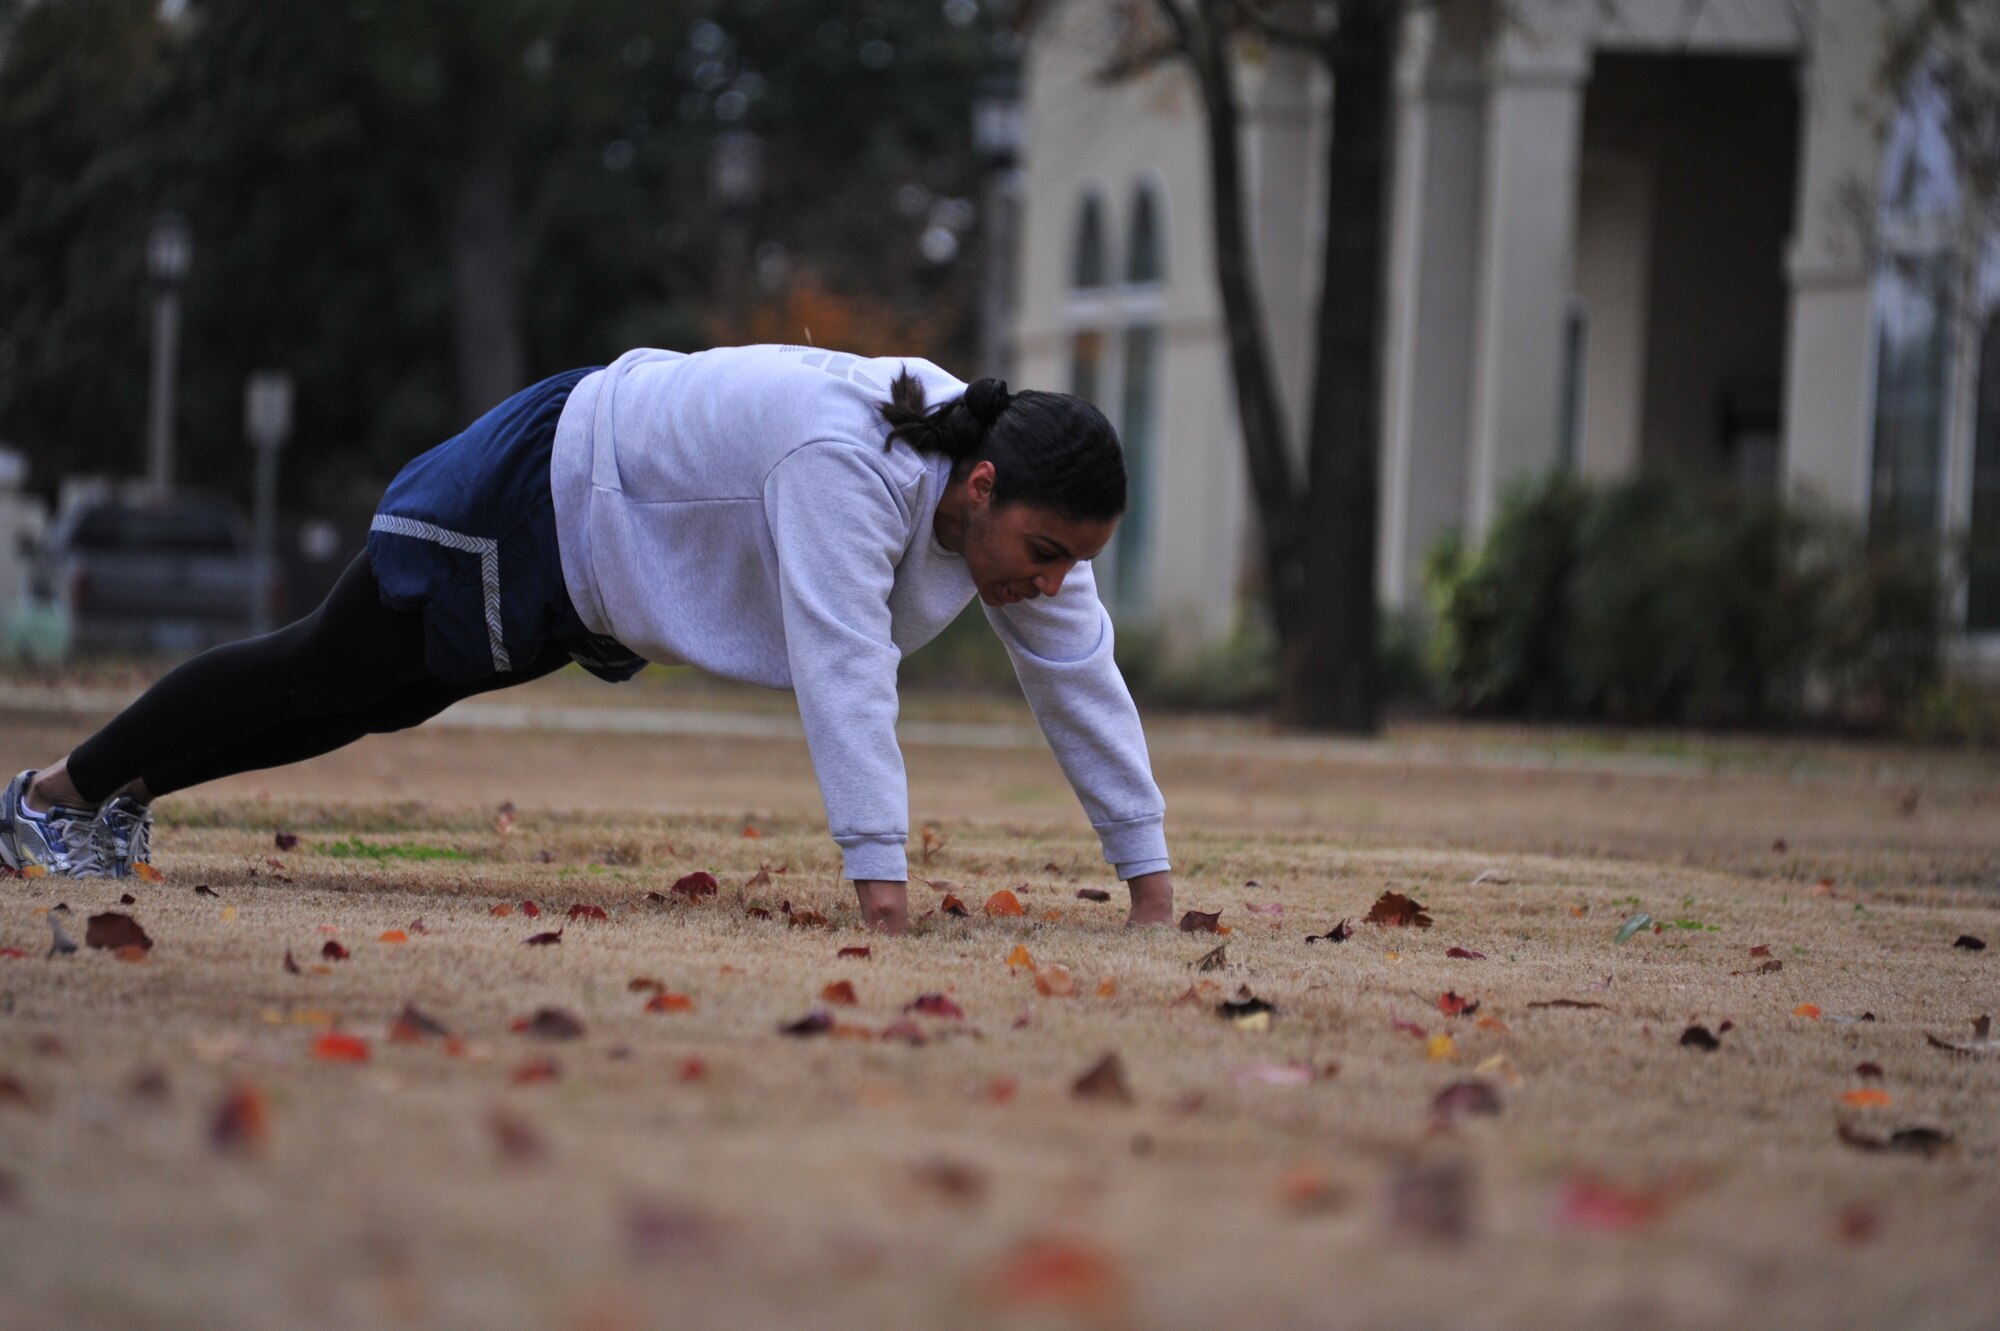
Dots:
(1665, 600)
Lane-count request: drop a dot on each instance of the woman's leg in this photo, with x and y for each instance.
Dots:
(350, 654)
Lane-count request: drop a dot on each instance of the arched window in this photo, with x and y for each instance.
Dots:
(1088, 267)
(1146, 254)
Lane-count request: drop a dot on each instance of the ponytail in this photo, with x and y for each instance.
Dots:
(1052, 450)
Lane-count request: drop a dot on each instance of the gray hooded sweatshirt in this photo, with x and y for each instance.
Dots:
(737, 510)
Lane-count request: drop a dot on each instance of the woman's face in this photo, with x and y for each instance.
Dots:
(1018, 552)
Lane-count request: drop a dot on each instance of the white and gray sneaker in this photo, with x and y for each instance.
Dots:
(59, 842)
(123, 835)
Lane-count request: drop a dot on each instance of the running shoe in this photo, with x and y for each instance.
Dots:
(123, 835)
(58, 842)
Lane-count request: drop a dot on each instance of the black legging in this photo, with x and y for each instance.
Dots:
(352, 667)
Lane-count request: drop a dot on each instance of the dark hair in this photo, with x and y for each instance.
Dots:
(1051, 450)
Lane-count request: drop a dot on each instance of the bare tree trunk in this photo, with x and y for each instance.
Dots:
(486, 322)
(1329, 672)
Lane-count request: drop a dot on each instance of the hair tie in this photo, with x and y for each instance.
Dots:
(986, 399)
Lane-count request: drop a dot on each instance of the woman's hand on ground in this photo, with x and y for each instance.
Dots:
(885, 907)
(1152, 899)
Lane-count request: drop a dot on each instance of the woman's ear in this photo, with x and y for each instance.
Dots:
(979, 482)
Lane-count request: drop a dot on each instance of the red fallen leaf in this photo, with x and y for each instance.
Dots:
(953, 906)
(1868, 1070)
(1197, 921)
(552, 1023)
(114, 931)
(393, 936)
(531, 910)
(412, 1026)
(1001, 1089)
(1409, 1028)
(333, 951)
(13, 953)
(1453, 1006)
(543, 939)
(692, 1069)
(840, 991)
(516, 1139)
(504, 908)
(802, 919)
(1092, 894)
(536, 1070)
(1103, 1081)
(1063, 1276)
(1464, 954)
(905, 1030)
(696, 885)
(340, 1047)
(854, 952)
(286, 840)
(816, 1022)
(1340, 933)
(1003, 903)
(1725, 1028)
(669, 1002)
(242, 1121)
(1588, 1202)
(762, 878)
(752, 834)
(1462, 1098)
(1761, 950)
(1856, 1223)
(584, 911)
(14, 1092)
(1397, 911)
(291, 966)
(758, 913)
(935, 1005)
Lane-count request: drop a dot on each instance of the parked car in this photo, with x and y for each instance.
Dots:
(151, 573)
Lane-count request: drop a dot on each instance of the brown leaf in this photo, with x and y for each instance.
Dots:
(544, 939)
(841, 992)
(1214, 959)
(1201, 922)
(535, 1071)
(112, 930)
(1565, 1002)
(1868, 1070)
(552, 1023)
(128, 900)
(204, 890)
(1003, 903)
(1104, 1082)
(905, 1030)
(531, 910)
(859, 952)
(584, 911)
(816, 1022)
(1761, 950)
(1470, 1096)
(241, 1123)
(333, 951)
(953, 1180)
(517, 1140)
(953, 906)
(762, 878)
(291, 966)
(1464, 954)
(802, 919)
(644, 984)
(1431, 1201)
(935, 1005)
(1092, 894)
(668, 1001)
(1453, 1006)
(1925, 1139)
(286, 840)
(1700, 1037)
(696, 885)
(1970, 944)
(1054, 981)
(1395, 910)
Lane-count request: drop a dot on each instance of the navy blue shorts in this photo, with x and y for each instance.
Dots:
(466, 533)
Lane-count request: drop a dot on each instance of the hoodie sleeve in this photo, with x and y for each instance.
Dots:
(1061, 648)
(840, 526)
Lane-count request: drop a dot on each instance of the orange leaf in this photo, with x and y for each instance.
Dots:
(1493, 1024)
(34, 871)
(1060, 1274)
(1003, 902)
(840, 991)
(1576, 911)
(1019, 959)
(666, 1001)
(393, 936)
(1454, 1006)
(1050, 916)
(340, 1047)
(536, 1070)
(1806, 1010)
(752, 834)
(502, 909)
(1054, 982)
(1107, 988)
(148, 872)
(1867, 1097)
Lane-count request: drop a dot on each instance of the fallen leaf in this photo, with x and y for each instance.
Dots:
(286, 840)
(1923, 1139)
(1093, 894)
(1469, 1096)
(1868, 1070)
(535, 1071)
(585, 911)
(1867, 1097)
(1408, 1028)
(802, 919)
(1054, 981)
(1020, 958)
(692, 1069)
(1761, 950)
(1196, 992)
(953, 906)
(544, 939)
(1770, 967)
(1107, 988)
(1104, 1081)
(1003, 903)
(148, 872)
(816, 1022)
(340, 1047)
(112, 930)
(1394, 910)
(644, 984)
(1061, 1277)
(667, 1001)
(935, 1005)
(1340, 933)
(227, 914)
(1307, 1188)
(1496, 1065)
(1491, 1023)
(128, 900)
(412, 1026)
(1464, 954)
(15, 953)
(1565, 1002)
(1856, 1223)
(531, 910)
(1589, 1202)
(1441, 1046)
(553, 1023)
(393, 936)
(241, 1122)
(696, 885)
(1970, 944)
(1431, 1201)
(1807, 1010)
(517, 1140)
(840, 991)
(291, 966)
(1453, 1006)
(1196, 921)
(503, 908)
(857, 952)
(1700, 1037)
(762, 878)
(1000, 1090)
(333, 951)
(905, 1030)
(204, 890)
(1276, 910)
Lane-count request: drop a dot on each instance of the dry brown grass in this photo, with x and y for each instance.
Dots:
(832, 1182)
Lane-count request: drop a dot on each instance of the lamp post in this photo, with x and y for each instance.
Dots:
(996, 135)
(267, 420)
(735, 182)
(169, 250)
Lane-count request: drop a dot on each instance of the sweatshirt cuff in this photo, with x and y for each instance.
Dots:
(1139, 868)
(875, 859)
(1136, 843)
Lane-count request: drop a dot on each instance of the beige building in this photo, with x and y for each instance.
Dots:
(1623, 234)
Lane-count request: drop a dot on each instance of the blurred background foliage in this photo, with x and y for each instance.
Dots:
(417, 206)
